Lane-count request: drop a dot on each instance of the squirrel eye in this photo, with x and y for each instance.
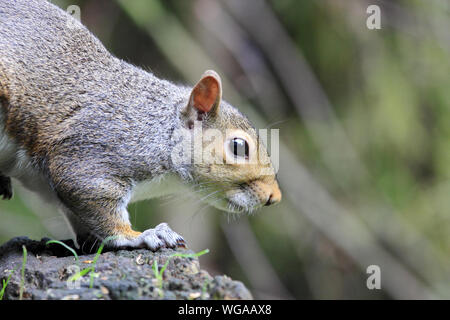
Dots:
(239, 147)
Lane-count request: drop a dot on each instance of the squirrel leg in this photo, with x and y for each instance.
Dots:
(99, 201)
(109, 219)
(5, 187)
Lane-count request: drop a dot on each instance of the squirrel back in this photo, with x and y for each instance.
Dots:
(60, 82)
(85, 128)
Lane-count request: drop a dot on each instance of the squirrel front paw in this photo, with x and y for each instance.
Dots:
(5, 187)
(162, 236)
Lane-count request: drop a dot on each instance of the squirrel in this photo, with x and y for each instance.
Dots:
(92, 133)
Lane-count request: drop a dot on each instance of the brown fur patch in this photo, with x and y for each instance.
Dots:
(266, 190)
(206, 93)
(122, 229)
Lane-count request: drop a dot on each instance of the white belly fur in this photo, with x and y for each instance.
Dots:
(15, 163)
(157, 187)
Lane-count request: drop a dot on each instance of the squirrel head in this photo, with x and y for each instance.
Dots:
(230, 165)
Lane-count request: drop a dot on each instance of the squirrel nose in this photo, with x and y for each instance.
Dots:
(272, 200)
(274, 197)
(269, 201)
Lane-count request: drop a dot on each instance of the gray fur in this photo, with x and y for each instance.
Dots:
(90, 126)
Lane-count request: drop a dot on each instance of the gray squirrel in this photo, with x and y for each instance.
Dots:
(91, 133)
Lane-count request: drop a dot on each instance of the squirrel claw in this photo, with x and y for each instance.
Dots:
(181, 243)
(162, 236)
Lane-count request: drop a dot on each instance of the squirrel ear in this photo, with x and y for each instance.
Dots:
(206, 95)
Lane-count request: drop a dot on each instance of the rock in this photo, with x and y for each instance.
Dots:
(121, 274)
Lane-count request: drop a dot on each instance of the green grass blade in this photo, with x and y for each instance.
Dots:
(155, 269)
(90, 270)
(94, 263)
(80, 274)
(65, 246)
(22, 279)
(5, 283)
(182, 255)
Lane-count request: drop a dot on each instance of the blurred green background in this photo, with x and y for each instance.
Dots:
(364, 119)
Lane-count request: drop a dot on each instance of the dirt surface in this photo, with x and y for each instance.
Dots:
(123, 274)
